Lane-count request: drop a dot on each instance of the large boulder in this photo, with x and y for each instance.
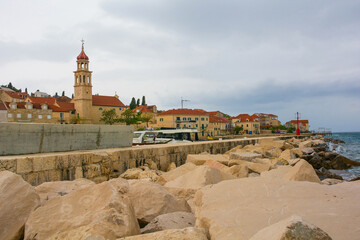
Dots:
(237, 209)
(248, 156)
(102, 210)
(302, 171)
(200, 159)
(287, 155)
(151, 200)
(253, 167)
(305, 144)
(216, 164)
(172, 234)
(175, 220)
(186, 185)
(49, 190)
(291, 228)
(175, 173)
(17, 200)
(239, 171)
(141, 173)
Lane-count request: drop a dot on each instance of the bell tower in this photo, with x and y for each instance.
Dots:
(83, 87)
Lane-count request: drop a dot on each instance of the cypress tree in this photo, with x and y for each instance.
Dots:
(143, 101)
(138, 102)
(133, 103)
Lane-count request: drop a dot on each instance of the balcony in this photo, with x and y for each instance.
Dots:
(185, 121)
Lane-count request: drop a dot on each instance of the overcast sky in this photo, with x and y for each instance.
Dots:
(235, 56)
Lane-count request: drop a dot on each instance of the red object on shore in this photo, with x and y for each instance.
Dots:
(297, 122)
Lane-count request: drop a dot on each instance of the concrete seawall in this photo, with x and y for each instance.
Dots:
(25, 138)
(101, 165)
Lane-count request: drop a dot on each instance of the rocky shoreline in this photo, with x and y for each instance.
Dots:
(276, 189)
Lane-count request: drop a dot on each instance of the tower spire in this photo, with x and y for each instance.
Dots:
(82, 44)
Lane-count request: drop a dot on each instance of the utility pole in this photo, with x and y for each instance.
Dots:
(297, 123)
(182, 102)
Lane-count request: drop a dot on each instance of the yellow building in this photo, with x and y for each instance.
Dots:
(303, 125)
(250, 124)
(28, 112)
(183, 119)
(268, 120)
(218, 126)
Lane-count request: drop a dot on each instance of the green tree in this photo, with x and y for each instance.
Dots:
(63, 93)
(237, 129)
(138, 102)
(26, 90)
(129, 117)
(146, 117)
(109, 117)
(143, 102)
(133, 103)
(56, 95)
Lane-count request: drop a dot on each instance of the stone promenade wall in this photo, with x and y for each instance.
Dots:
(101, 165)
(26, 138)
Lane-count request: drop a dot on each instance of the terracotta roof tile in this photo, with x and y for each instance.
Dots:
(17, 95)
(184, 111)
(42, 100)
(142, 109)
(2, 106)
(215, 119)
(21, 105)
(99, 100)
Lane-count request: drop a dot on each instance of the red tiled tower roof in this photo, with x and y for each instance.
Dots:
(82, 55)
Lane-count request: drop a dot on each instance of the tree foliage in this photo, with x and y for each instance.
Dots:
(63, 93)
(109, 117)
(132, 103)
(143, 102)
(138, 102)
(237, 129)
(129, 117)
(146, 117)
(10, 86)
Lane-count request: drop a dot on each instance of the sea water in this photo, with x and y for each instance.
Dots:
(349, 149)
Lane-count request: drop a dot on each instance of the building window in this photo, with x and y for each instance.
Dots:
(184, 125)
(202, 119)
(40, 116)
(189, 125)
(44, 107)
(29, 115)
(184, 118)
(18, 115)
(100, 109)
(196, 119)
(189, 119)
(247, 125)
(177, 118)
(29, 107)
(197, 125)
(161, 119)
(207, 119)
(13, 106)
(9, 115)
(49, 116)
(120, 109)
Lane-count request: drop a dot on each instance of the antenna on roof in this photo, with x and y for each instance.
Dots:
(182, 102)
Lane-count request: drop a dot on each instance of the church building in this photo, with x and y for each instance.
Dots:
(89, 107)
(84, 108)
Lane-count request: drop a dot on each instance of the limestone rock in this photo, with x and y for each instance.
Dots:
(331, 181)
(271, 142)
(151, 200)
(291, 228)
(305, 144)
(302, 171)
(172, 166)
(237, 209)
(277, 173)
(216, 164)
(297, 151)
(132, 173)
(273, 153)
(307, 150)
(244, 156)
(17, 200)
(175, 220)
(102, 210)
(49, 190)
(239, 171)
(287, 145)
(186, 185)
(175, 173)
(323, 173)
(150, 175)
(200, 159)
(172, 234)
(287, 155)
(253, 167)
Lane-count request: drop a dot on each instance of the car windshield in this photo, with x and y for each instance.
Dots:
(136, 135)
